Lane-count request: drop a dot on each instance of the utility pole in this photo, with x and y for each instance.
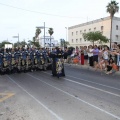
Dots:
(17, 37)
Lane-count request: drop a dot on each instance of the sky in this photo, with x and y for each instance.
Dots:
(23, 16)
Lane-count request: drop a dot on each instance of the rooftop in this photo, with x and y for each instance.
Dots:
(94, 21)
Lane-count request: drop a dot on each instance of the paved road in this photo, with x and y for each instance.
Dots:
(81, 95)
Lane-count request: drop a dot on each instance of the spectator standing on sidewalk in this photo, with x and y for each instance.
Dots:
(95, 55)
(106, 55)
(90, 55)
(118, 57)
(77, 51)
(100, 55)
(82, 56)
(85, 55)
(117, 51)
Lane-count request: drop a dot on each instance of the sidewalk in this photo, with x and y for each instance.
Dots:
(88, 67)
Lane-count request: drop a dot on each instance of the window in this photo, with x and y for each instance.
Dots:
(80, 39)
(76, 40)
(90, 29)
(116, 37)
(72, 40)
(80, 31)
(95, 29)
(76, 32)
(72, 33)
(102, 27)
(116, 27)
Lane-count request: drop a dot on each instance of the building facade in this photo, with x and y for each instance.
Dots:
(75, 33)
(48, 44)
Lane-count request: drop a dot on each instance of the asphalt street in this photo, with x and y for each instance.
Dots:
(81, 95)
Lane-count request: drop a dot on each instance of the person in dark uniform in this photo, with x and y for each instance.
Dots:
(5, 60)
(13, 61)
(24, 58)
(1, 62)
(65, 55)
(32, 58)
(58, 63)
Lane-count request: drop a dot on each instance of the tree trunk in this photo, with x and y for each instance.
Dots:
(93, 43)
(111, 32)
(50, 42)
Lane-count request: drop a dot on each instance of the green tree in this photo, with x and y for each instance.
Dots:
(2, 44)
(34, 40)
(35, 43)
(38, 31)
(95, 36)
(50, 31)
(15, 44)
(64, 43)
(23, 43)
(30, 42)
(112, 8)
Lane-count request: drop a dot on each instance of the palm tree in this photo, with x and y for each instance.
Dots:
(38, 31)
(112, 8)
(50, 31)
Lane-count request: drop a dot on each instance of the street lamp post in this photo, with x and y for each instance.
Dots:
(43, 27)
(17, 37)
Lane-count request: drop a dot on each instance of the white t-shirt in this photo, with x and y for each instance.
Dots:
(89, 53)
(105, 55)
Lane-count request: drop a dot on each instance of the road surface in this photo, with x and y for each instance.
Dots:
(81, 95)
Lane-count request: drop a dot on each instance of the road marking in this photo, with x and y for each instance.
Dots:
(53, 113)
(102, 110)
(5, 96)
(89, 86)
(90, 82)
(94, 82)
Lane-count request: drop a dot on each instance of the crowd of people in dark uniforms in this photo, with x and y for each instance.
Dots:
(23, 60)
(31, 59)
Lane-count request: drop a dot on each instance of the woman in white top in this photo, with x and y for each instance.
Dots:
(90, 55)
(106, 56)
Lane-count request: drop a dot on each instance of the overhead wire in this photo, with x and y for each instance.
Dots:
(39, 12)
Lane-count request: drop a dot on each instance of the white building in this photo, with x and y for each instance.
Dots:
(53, 43)
(76, 39)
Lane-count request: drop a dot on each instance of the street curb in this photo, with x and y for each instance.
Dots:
(88, 68)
